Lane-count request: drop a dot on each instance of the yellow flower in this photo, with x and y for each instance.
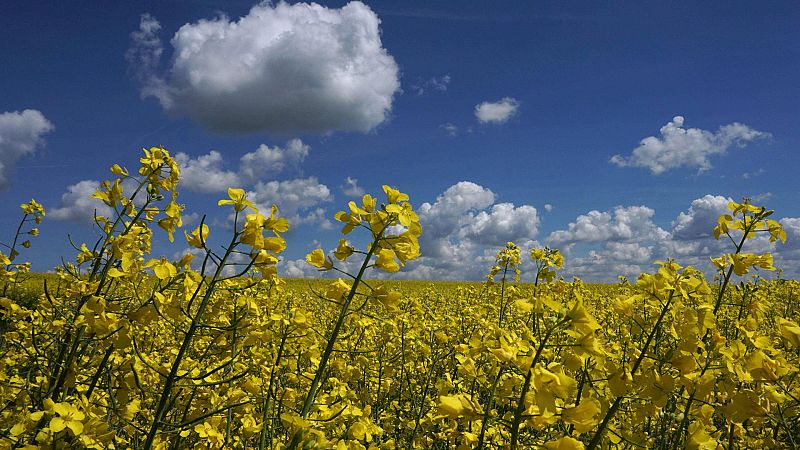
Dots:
(198, 237)
(455, 406)
(564, 443)
(162, 268)
(238, 199)
(405, 214)
(584, 416)
(343, 251)
(393, 195)
(110, 194)
(790, 331)
(119, 171)
(208, 431)
(318, 260)
(68, 416)
(276, 224)
(386, 261)
(33, 207)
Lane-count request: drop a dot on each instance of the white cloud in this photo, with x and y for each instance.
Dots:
(621, 224)
(503, 221)
(351, 188)
(20, 135)
(548, 207)
(602, 245)
(614, 259)
(297, 268)
(298, 200)
(497, 112)
(454, 205)
(701, 217)
(76, 204)
(686, 147)
(272, 160)
(280, 68)
(205, 173)
(625, 241)
(463, 230)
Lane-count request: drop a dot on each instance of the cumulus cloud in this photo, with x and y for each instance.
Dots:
(502, 221)
(621, 224)
(20, 135)
(266, 161)
(297, 268)
(465, 227)
(497, 112)
(351, 188)
(701, 217)
(600, 245)
(76, 205)
(463, 230)
(298, 200)
(626, 241)
(686, 147)
(280, 68)
(205, 173)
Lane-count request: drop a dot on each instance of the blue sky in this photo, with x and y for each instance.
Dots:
(504, 117)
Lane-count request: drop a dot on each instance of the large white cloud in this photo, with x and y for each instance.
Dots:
(496, 112)
(20, 135)
(280, 68)
(686, 147)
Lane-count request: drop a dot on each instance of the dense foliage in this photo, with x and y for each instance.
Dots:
(121, 350)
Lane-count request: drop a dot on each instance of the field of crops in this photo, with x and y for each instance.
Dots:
(120, 350)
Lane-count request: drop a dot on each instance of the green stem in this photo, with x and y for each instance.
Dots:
(488, 411)
(187, 339)
(525, 387)
(326, 354)
(598, 435)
